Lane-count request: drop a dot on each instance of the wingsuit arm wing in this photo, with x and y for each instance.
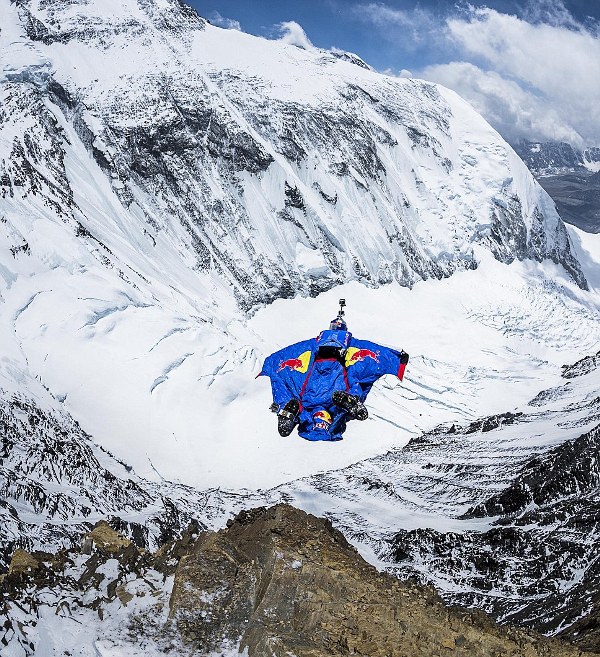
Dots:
(403, 363)
(368, 361)
(287, 370)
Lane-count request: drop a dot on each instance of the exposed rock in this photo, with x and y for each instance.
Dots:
(544, 158)
(277, 581)
(564, 471)
(105, 537)
(52, 472)
(283, 582)
(585, 633)
(114, 588)
(538, 564)
(584, 366)
(22, 562)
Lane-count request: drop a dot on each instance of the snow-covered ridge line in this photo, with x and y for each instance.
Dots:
(551, 158)
(215, 141)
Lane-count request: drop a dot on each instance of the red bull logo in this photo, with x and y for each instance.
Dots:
(354, 355)
(322, 420)
(322, 416)
(291, 363)
(299, 364)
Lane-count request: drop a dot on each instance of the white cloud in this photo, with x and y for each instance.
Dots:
(292, 33)
(515, 112)
(227, 23)
(534, 75)
(550, 12)
(381, 14)
(545, 74)
(416, 25)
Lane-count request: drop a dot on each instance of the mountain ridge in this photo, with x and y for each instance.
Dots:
(274, 580)
(570, 176)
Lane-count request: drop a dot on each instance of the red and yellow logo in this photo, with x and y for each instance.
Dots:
(299, 364)
(322, 416)
(354, 355)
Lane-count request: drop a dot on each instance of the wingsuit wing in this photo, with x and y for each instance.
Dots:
(368, 361)
(287, 369)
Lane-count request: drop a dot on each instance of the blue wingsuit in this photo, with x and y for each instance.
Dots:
(297, 371)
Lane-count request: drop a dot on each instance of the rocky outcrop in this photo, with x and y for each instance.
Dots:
(582, 367)
(55, 483)
(275, 582)
(280, 582)
(70, 600)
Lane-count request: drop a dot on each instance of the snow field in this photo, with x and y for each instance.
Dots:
(178, 400)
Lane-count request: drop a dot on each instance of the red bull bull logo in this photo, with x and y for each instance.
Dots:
(291, 363)
(323, 416)
(322, 420)
(299, 364)
(354, 355)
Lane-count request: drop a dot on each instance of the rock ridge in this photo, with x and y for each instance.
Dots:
(280, 581)
(276, 581)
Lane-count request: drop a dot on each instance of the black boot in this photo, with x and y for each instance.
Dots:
(286, 418)
(351, 404)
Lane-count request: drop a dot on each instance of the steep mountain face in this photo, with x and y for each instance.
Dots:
(541, 553)
(251, 158)
(173, 197)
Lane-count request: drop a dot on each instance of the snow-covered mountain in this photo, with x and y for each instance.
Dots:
(178, 200)
(163, 177)
(570, 176)
(555, 157)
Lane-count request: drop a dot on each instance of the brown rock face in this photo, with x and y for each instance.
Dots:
(282, 582)
(22, 562)
(106, 538)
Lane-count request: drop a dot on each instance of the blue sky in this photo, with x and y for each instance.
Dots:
(531, 67)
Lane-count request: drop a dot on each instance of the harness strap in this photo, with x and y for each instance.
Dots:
(310, 369)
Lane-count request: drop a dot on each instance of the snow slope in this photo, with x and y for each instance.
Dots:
(163, 176)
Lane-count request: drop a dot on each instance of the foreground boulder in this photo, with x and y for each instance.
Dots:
(281, 582)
